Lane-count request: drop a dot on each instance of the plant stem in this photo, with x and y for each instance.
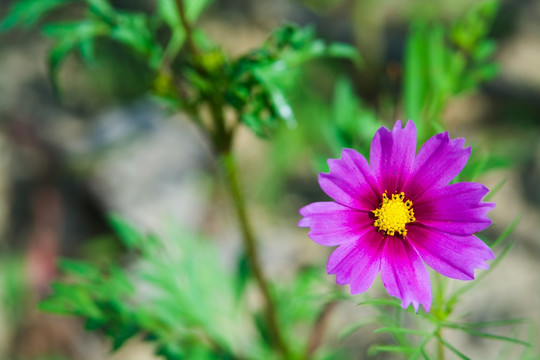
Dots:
(187, 27)
(440, 345)
(229, 165)
(439, 312)
(222, 140)
(317, 332)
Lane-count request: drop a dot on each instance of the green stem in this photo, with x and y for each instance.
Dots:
(222, 140)
(221, 137)
(192, 47)
(440, 313)
(317, 332)
(229, 165)
(440, 345)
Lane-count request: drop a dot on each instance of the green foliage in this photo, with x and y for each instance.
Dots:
(136, 31)
(254, 85)
(352, 123)
(172, 288)
(441, 63)
(261, 78)
(175, 293)
(306, 288)
(479, 164)
(26, 13)
(168, 13)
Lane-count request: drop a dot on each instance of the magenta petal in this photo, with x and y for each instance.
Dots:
(446, 216)
(392, 155)
(456, 208)
(334, 224)
(451, 255)
(404, 275)
(437, 163)
(357, 263)
(351, 181)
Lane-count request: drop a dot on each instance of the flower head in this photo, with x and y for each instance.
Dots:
(398, 212)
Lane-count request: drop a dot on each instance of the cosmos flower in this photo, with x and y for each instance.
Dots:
(398, 213)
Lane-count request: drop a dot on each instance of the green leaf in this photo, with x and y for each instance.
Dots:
(71, 300)
(496, 323)
(345, 106)
(484, 50)
(263, 79)
(500, 239)
(168, 12)
(493, 191)
(402, 331)
(505, 234)
(437, 61)
(132, 30)
(74, 31)
(123, 333)
(127, 233)
(470, 330)
(374, 350)
(352, 124)
(242, 274)
(279, 103)
(256, 125)
(101, 8)
(344, 51)
(80, 269)
(57, 54)
(27, 12)
(414, 79)
(486, 72)
(475, 25)
(349, 329)
(70, 36)
(452, 348)
(483, 164)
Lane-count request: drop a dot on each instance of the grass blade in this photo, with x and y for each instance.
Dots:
(471, 331)
(452, 348)
(401, 330)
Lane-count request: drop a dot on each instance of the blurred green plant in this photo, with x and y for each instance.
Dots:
(174, 291)
(194, 75)
(441, 63)
(178, 296)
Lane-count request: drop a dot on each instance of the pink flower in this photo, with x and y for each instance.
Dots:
(398, 212)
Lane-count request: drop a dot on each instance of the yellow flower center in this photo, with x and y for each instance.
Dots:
(393, 214)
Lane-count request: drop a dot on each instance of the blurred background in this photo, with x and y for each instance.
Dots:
(105, 146)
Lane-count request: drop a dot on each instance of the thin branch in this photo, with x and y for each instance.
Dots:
(252, 254)
(319, 327)
(187, 27)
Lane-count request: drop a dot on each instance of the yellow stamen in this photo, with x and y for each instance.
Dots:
(393, 214)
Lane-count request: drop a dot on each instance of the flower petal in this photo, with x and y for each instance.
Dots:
(334, 224)
(451, 255)
(351, 182)
(456, 208)
(437, 163)
(392, 155)
(357, 263)
(404, 275)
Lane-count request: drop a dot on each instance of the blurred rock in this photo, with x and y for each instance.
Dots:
(150, 169)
